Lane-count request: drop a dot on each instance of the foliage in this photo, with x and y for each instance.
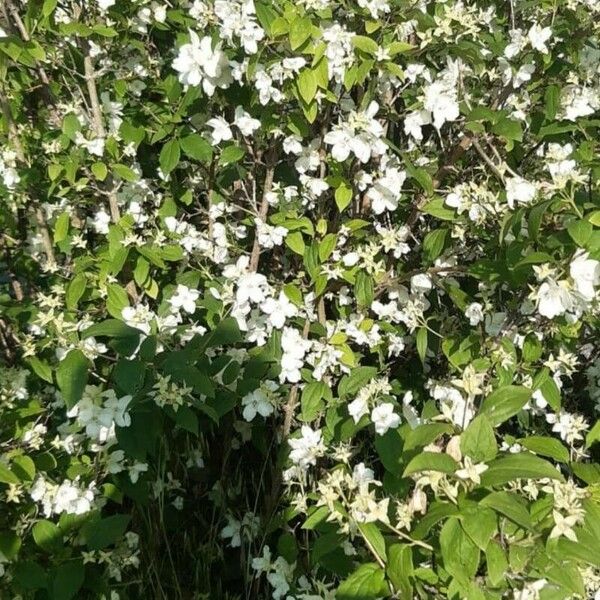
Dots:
(299, 299)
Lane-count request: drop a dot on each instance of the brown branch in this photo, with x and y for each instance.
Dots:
(488, 161)
(99, 130)
(271, 158)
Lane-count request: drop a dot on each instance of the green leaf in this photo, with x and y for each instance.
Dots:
(295, 242)
(116, 300)
(129, 375)
(509, 129)
(68, 580)
(307, 85)
(10, 544)
(478, 440)
(169, 156)
(434, 243)
(196, 147)
(186, 418)
(422, 341)
(72, 376)
(581, 232)
(7, 476)
(371, 533)
(552, 101)
(30, 575)
(497, 565)
(48, 7)
(41, 368)
(460, 554)
(99, 534)
(100, 171)
(366, 44)
(546, 446)
(112, 328)
(75, 290)
(312, 400)
(343, 196)
(518, 466)
(437, 208)
(480, 524)
(327, 246)
(364, 289)
(399, 48)
(511, 506)
(231, 154)
(47, 536)
(23, 467)
(350, 384)
(593, 435)
(316, 517)
(431, 461)
(300, 31)
(61, 228)
(503, 403)
(366, 583)
(399, 568)
(265, 15)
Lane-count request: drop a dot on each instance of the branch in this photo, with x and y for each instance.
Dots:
(99, 130)
(264, 206)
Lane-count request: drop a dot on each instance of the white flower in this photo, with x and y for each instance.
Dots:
(360, 135)
(279, 310)
(256, 402)
(306, 449)
(269, 236)
(564, 526)
(554, 299)
(105, 4)
(220, 130)
(414, 122)
(471, 471)
(232, 530)
(245, 123)
(101, 221)
(538, 37)
(517, 42)
(474, 312)
(358, 408)
(138, 317)
(387, 190)
(184, 298)
(294, 348)
(585, 273)
(384, 418)
(198, 63)
(376, 7)
(442, 102)
(252, 287)
(420, 283)
(519, 190)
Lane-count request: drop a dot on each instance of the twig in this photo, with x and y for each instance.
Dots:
(488, 161)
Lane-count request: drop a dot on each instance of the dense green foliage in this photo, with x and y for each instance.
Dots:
(299, 299)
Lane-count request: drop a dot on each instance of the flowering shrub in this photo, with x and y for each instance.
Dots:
(299, 299)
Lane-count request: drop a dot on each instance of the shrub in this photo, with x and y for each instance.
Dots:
(299, 299)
